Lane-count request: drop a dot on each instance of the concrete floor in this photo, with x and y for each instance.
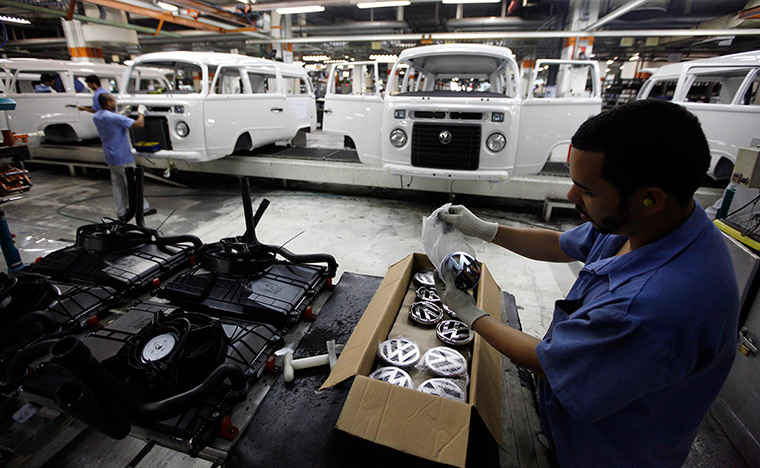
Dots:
(366, 231)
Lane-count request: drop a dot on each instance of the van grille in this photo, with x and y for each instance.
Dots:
(466, 115)
(429, 115)
(462, 153)
(156, 129)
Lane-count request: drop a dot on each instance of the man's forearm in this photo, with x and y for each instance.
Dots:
(516, 345)
(537, 244)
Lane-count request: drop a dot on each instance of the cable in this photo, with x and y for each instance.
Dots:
(754, 200)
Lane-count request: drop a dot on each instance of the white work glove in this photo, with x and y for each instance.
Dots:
(125, 110)
(469, 224)
(141, 109)
(461, 302)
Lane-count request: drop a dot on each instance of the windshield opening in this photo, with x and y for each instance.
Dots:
(165, 77)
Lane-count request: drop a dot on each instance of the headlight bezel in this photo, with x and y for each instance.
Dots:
(178, 125)
(496, 142)
(396, 135)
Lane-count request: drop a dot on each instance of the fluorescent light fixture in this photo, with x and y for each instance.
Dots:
(300, 9)
(14, 19)
(315, 58)
(391, 3)
(454, 2)
(167, 6)
(384, 58)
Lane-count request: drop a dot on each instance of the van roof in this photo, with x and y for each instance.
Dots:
(749, 59)
(49, 64)
(216, 58)
(479, 49)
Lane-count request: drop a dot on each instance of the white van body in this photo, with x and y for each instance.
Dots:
(210, 105)
(55, 113)
(723, 93)
(444, 102)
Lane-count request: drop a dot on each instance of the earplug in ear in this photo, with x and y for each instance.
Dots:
(648, 202)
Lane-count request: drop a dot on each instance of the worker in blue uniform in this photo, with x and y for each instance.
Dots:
(112, 129)
(641, 346)
(93, 82)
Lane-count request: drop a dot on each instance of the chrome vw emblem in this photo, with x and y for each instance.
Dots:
(445, 137)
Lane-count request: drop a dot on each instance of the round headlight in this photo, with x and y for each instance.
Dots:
(496, 142)
(182, 129)
(398, 137)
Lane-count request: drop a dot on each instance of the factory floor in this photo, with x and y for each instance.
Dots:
(365, 230)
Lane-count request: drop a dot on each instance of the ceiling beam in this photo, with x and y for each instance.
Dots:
(86, 19)
(211, 10)
(495, 35)
(158, 15)
(630, 6)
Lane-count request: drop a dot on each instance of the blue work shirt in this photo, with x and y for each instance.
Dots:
(95, 102)
(638, 351)
(112, 128)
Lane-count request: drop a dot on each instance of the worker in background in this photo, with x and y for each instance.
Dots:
(112, 129)
(93, 82)
(639, 349)
(47, 82)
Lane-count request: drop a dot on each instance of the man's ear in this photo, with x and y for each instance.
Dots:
(651, 199)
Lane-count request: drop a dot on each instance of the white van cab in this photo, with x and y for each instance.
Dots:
(211, 105)
(723, 93)
(456, 111)
(53, 109)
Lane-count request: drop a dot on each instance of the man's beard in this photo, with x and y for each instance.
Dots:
(611, 224)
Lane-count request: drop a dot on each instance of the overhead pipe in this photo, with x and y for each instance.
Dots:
(87, 19)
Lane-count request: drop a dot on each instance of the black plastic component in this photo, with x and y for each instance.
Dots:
(78, 400)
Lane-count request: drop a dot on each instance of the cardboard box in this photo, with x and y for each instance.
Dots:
(413, 422)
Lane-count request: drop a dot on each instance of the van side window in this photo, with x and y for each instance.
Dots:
(752, 96)
(357, 80)
(27, 80)
(663, 89)
(296, 85)
(563, 81)
(715, 86)
(107, 82)
(228, 82)
(262, 82)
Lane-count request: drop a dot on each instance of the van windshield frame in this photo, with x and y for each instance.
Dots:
(166, 77)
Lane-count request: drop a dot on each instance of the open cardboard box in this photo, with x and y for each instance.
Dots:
(428, 426)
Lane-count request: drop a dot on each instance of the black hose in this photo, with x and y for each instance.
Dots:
(332, 264)
(78, 400)
(16, 368)
(168, 407)
(139, 197)
(50, 325)
(195, 240)
(76, 357)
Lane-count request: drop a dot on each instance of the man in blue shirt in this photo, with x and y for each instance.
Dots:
(112, 128)
(93, 82)
(639, 349)
(46, 84)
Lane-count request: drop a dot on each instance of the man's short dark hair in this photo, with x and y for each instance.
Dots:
(649, 143)
(104, 98)
(92, 79)
(45, 77)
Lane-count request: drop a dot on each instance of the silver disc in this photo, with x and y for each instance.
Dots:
(424, 278)
(158, 347)
(465, 269)
(400, 352)
(453, 332)
(427, 293)
(392, 375)
(443, 387)
(425, 313)
(445, 362)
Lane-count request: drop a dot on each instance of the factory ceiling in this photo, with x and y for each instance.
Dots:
(657, 29)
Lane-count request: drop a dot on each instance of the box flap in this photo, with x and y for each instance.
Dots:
(486, 384)
(360, 350)
(431, 427)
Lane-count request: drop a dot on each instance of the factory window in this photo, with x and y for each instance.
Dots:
(263, 81)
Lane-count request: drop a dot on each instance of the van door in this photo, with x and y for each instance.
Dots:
(243, 101)
(561, 95)
(720, 97)
(53, 110)
(354, 107)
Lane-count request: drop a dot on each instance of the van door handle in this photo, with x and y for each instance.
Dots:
(276, 109)
(327, 111)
